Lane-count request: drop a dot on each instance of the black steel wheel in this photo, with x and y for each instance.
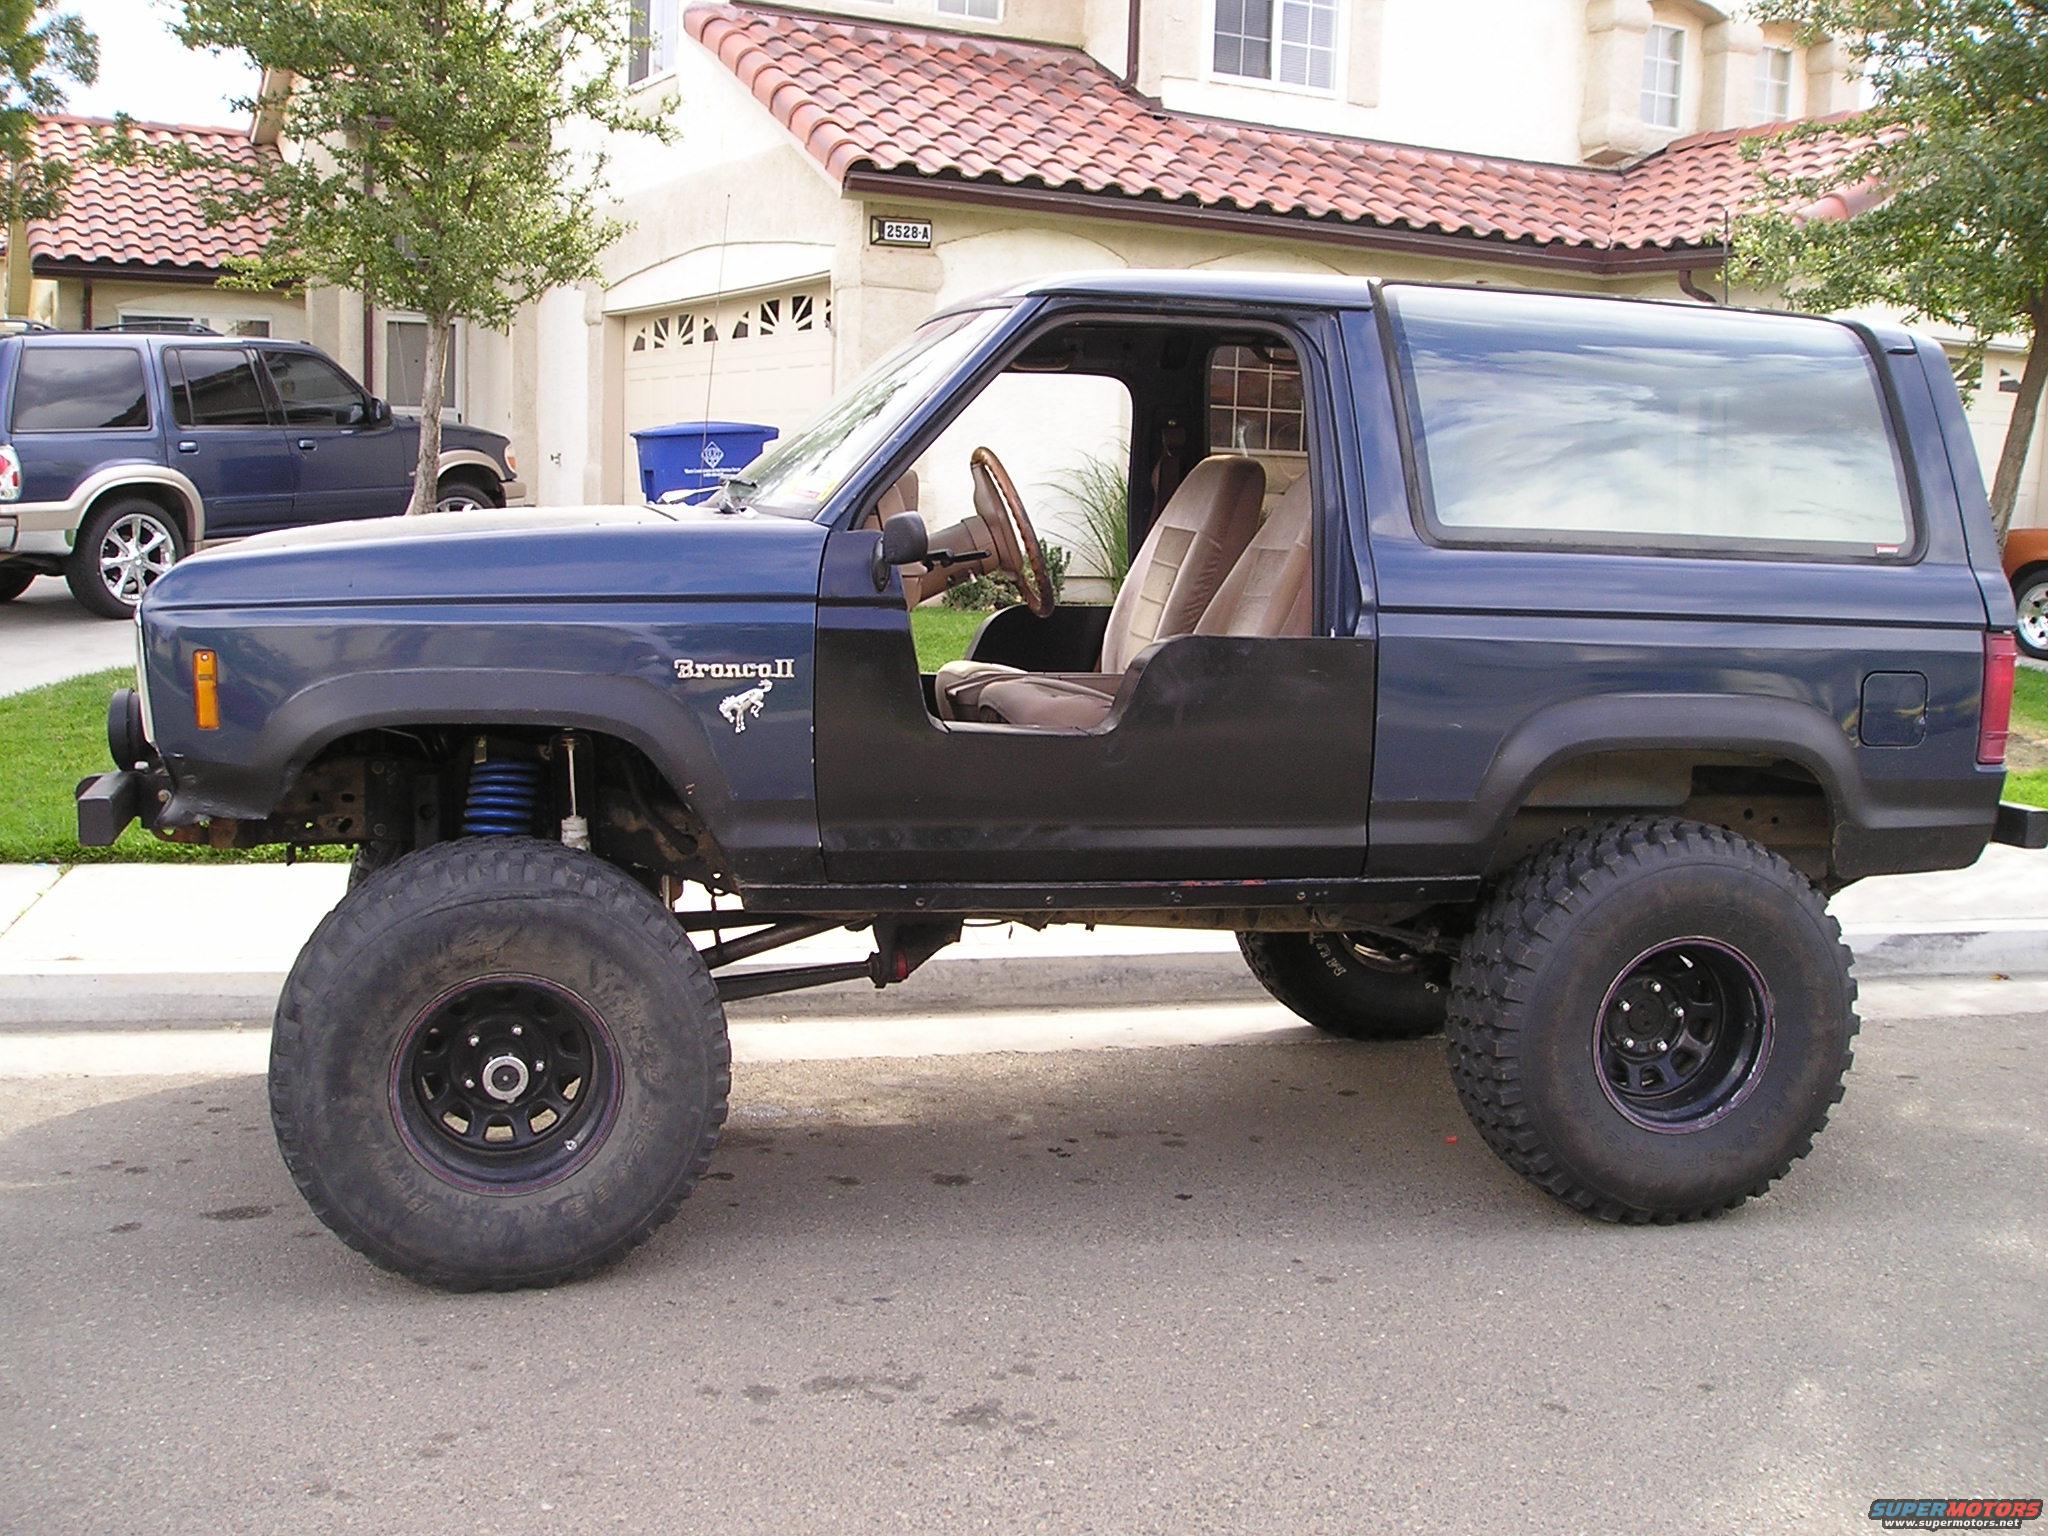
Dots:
(506, 1083)
(1683, 1034)
(1651, 1019)
(1354, 985)
(499, 1063)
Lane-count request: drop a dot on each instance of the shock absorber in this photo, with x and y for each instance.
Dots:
(504, 798)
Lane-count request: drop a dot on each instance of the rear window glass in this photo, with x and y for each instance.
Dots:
(216, 387)
(1555, 420)
(79, 389)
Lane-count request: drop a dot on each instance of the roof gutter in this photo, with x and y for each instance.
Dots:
(1602, 261)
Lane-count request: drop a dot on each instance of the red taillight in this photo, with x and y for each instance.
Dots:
(1995, 724)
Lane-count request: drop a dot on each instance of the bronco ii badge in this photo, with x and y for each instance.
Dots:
(739, 708)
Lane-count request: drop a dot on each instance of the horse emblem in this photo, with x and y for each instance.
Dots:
(739, 708)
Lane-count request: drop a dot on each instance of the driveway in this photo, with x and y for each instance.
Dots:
(46, 637)
(1261, 1287)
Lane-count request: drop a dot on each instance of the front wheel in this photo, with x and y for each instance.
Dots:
(1651, 1019)
(1355, 986)
(2030, 597)
(498, 1064)
(464, 493)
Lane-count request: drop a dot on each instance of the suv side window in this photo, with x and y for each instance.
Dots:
(1548, 420)
(80, 389)
(313, 391)
(215, 387)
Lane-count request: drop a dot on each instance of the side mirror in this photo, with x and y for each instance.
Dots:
(903, 542)
(375, 412)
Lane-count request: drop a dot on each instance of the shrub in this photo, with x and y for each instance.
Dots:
(1101, 489)
(1000, 591)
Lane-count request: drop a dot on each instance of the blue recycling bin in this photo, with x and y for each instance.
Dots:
(696, 456)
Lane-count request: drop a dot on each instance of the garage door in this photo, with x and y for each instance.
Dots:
(766, 357)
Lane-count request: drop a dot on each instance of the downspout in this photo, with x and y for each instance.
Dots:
(86, 299)
(1134, 27)
(1688, 286)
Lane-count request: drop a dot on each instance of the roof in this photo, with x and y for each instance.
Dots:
(882, 106)
(137, 217)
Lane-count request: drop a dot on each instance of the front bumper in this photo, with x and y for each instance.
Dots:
(107, 802)
(515, 492)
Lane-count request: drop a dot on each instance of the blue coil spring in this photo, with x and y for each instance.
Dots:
(504, 797)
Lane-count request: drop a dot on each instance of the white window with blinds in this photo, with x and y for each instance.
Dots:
(1285, 42)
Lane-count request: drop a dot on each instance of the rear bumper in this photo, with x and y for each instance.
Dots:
(2020, 826)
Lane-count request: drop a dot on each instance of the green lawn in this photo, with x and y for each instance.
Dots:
(2029, 719)
(943, 634)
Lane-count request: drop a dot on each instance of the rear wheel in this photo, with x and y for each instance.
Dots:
(1354, 985)
(14, 581)
(1651, 1020)
(498, 1064)
(124, 548)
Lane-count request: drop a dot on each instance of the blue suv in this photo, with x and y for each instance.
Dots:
(122, 452)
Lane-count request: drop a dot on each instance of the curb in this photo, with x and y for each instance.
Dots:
(78, 1000)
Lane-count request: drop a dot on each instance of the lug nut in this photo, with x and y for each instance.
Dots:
(469, 1082)
(518, 1029)
(1630, 1044)
(1656, 986)
(1663, 1045)
(476, 1039)
(539, 1065)
(1624, 1008)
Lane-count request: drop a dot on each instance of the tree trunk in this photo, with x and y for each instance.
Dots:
(2019, 435)
(426, 482)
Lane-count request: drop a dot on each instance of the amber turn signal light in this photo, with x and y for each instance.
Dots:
(206, 690)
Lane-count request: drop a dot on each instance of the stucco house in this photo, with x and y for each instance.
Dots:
(846, 170)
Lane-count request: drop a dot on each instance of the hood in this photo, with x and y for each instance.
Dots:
(515, 554)
(460, 434)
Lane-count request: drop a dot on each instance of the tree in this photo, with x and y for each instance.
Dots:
(1941, 181)
(430, 169)
(39, 52)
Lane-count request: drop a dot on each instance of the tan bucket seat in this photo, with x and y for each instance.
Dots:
(1267, 593)
(1208, 522)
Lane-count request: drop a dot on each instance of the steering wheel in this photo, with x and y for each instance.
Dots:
(1001, 511)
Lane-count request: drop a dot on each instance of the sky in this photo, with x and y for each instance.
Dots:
(145, 72)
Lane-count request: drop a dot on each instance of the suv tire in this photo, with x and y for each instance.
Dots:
(2030, 598)
(15, 582)
(1348, 986)
(465, 493)
(1635, 923)
(585, 1002)
(124, 546)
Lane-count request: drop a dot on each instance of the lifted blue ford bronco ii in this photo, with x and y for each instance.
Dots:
(1526, 667)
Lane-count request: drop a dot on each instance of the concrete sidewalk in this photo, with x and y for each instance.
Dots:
(117, 946)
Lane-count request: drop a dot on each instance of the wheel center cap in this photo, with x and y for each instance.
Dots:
(505, 1078)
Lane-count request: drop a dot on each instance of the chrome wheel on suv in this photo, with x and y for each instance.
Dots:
(123, 550)
(2031, 599)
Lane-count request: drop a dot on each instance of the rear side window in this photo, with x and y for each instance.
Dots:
(315, 392)
(1539, 419)
(80, 389)
(216, 387)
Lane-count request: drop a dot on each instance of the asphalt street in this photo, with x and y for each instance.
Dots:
(1218, 1288)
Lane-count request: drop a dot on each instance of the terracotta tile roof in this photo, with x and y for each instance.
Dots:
(137, 215)
(916, 102)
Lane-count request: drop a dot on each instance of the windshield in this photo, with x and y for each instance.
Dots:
(797, 475)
